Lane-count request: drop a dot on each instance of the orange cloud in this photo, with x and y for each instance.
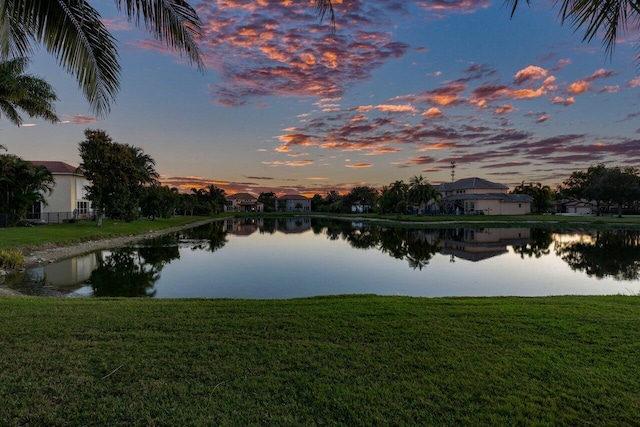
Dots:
(359, 165)
(579, 87)
(396, 108)
(432, 112)
(293, 163)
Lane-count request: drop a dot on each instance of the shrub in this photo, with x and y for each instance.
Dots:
(11, 259)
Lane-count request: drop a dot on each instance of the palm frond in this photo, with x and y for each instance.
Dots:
(173, 22)
(72, 31)
(324, 8)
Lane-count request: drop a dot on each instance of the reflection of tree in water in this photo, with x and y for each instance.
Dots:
(539, 245)
(160, 251)
(401, 243)
(123, 274)
(610, 253)
(209, 237)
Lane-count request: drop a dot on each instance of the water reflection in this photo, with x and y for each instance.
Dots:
(290, 257)
(614, 253)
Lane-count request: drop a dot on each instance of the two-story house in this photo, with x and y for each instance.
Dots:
(243, 202)
(68, 199)
(293, 203)
(478, 196)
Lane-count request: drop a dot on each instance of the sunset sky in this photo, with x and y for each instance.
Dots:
(401, 88)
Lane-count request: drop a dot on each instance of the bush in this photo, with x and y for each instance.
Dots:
(11, 259)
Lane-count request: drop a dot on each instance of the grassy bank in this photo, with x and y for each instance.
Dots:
(71, 233)
(323, 361)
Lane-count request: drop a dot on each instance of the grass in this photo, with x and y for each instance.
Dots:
(352, 360)
(25, 238)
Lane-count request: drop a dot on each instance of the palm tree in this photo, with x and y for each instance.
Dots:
(19, 91)
(23, 185)
(421, 192)
(72, 31)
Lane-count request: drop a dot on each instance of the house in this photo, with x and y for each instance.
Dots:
(470, 196)
(243, 202)
(68, 199)
(293, 203)
(574, 207)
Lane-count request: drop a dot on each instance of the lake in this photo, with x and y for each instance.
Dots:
(303, 257)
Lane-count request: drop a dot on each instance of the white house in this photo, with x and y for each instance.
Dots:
(293, 203)
(68, 199)
(479, 196)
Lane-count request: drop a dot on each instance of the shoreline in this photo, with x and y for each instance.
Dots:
(57, 253)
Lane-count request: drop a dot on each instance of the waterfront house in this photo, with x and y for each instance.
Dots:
(68, 199)
(293, 203)
(478, 196)
(243, 202)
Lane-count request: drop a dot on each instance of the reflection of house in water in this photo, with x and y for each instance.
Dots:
(243, 226)
(480, 244)
(293, 225)
(68, 273)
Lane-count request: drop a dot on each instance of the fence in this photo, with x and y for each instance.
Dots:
(56, 217)
(6, 220)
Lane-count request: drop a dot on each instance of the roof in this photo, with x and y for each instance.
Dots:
(293, 197)
(242, 196)
(514, 198)
(468, 183)
(57, 167)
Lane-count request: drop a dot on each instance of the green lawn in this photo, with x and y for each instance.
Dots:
(353, 360)
(70, 233)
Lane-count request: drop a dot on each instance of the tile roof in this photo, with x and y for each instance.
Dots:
(468, 183)
(293, 197)
(242, 196)
(57, 167)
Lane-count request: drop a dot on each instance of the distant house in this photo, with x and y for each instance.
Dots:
(243, 202)
(470, 196)
(68, 199)
(293, 203)
(580, 207)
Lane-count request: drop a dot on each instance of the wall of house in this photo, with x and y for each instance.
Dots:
(68, 190)
(512, 208)
(60, 198)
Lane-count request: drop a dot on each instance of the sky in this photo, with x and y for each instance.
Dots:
(401, 88)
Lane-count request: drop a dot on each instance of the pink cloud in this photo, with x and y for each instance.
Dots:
(532, 72)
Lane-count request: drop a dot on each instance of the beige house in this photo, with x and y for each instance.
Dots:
(243, 202)
(478, 196)
(293, 203)
(68, 199)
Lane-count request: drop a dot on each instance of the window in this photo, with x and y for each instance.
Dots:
(82, 208)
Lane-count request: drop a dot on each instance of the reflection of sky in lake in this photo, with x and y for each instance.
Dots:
(299, 265)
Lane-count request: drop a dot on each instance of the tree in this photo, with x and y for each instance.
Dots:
(542, 195)
(117, 173)
(159, 201)
(393, 198)
(421, 192)
(362, 195)
(19, 91)
(73, 32)
(22, 185)
(217, 199)
(268, 200)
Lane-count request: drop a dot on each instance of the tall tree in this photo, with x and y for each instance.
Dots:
(19, 91)
(73, 32)
(117, 173)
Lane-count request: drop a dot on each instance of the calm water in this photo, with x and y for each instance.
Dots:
(300, 257)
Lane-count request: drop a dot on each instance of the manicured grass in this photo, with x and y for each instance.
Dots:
(353, 360)
(70, 233)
